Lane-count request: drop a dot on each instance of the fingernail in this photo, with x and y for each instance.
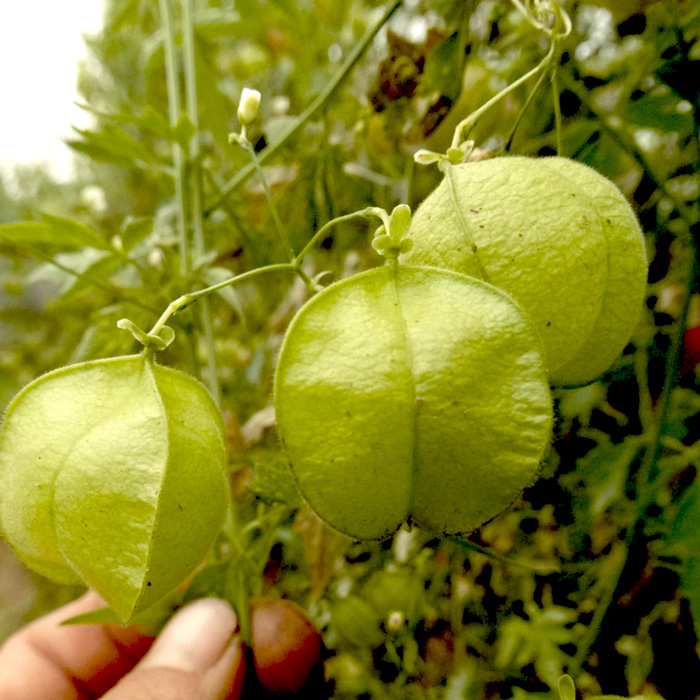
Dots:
(195, 637)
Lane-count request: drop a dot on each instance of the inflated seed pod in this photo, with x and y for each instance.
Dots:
(408, 392)
(556, 235)
(112, 473)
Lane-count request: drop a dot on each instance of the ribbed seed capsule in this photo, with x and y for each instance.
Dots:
(556, 235)
(112, 472)
(414, 393)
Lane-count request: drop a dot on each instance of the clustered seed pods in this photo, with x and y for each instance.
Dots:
(418, 391)
(410, 393)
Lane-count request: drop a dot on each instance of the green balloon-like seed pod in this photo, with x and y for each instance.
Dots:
(412, 393)
(112, 472)
(556, 235)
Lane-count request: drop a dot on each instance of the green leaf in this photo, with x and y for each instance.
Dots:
(229, 580)
(659, 110)
(605, 472)
(74, 232)
(356, 621)
(686, 545)
(274, 481)
(184, 131)
(112, 145)
(215, 275)
(442, 64)
(217, 24)
(101, 616)
(216, 109)
(134, 231)
(52, 232)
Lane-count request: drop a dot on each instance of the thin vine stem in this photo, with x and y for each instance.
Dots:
(523, 110)
(369, 211)
(281, 231)
(195, 173)
(311, 110)
(560, 30)
(464, 127)
(171, 76)
(293, 267)
(556, 102)
(186, 299)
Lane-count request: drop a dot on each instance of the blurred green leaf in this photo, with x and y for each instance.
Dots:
(112, 145)
(52, 232)
(134, 231)
(217, 111)
(686, 545)
(605, 470)
(274, 481)
(215, 275)
(660, 110)
(443, 67)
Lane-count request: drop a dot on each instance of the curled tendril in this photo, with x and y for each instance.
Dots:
(152, 342)
(547, 16)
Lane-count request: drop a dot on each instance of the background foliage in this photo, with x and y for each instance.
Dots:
(595, 570)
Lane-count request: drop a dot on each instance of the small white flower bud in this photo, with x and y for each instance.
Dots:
(248, 106)
(395, 622)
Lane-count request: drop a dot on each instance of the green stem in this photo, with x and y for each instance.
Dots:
(171, 76)
(523, 110)
(268, 195)
(309, 112)
(557, 111)
(186, 299)
(542, 569)
(462, 130)
(560, 30)
(294, 267)
(196, 188)
(369, 211)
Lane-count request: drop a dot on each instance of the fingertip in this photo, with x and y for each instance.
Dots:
(195, 638)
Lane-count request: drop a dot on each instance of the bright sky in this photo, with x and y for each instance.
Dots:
(40, 46)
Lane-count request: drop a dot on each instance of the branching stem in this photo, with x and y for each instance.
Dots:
(293, 267)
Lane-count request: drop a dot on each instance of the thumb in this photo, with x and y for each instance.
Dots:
(196, 655)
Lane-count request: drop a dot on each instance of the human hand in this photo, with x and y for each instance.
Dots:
(198, 655)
